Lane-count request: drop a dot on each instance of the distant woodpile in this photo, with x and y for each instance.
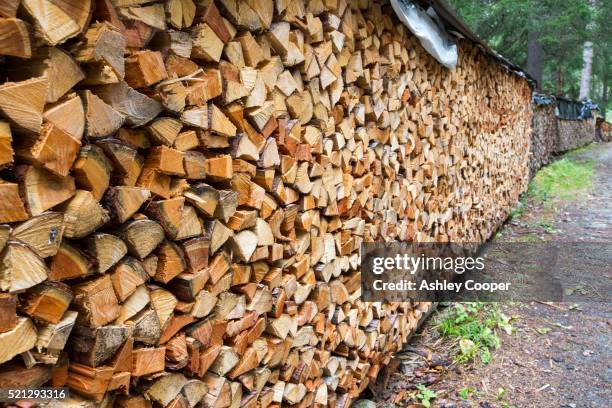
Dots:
(554, 134)
(186, 186)
(604, 130)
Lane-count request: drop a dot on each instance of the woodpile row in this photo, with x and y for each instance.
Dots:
(572, 134)
(186, 185)
(552, 135)
(604, 130)
(544, 136)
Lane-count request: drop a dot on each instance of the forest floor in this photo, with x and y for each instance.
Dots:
(536, 354)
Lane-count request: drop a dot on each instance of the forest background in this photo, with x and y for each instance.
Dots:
(565, 45)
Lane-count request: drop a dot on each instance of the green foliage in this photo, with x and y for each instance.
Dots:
(517, 211)
(549, 228)
(564, 179)
(501, 392)
(464, 393)
(542, 330)
(563, 28)
(530, 237)
(425, 395)
(476, 326)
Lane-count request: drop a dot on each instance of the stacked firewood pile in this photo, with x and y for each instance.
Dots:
(544, 131)
(186, 185)
(572, 134)
(604, 130)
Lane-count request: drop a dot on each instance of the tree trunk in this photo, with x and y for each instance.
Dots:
(559, 81)
(606, 81)
(585, 77)
(535, 58)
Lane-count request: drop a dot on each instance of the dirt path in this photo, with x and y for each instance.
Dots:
(560, 354)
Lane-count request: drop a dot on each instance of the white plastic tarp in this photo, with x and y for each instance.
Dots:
(434, 39)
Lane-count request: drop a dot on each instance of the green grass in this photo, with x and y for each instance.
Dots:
(529, 237)
(583, 149)
(564, 179)
(517, 211)
(476, 326)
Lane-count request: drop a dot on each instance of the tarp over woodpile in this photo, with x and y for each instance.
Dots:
(434, 16)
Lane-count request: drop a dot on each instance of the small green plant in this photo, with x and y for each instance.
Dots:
(517, 211)
(549, 228)
(426, 395)
(501, 391)
(543, 330)
(476, 326)
(464, 393)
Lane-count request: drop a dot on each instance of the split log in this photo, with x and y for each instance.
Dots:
(101, 119)
(52, 338)
(12, 208)
(42, 189)
(207, 45)
(53, 149)
(144, 68)
(14, 37)
(83, 215)
(127, 276)
(23, 102)
(47, 302)
(142, 236)
(89, 382)
(92, 170)
(6, 148)
(54, 64)
(20, 338)
(15, 375)
(94, 346)
(123, 201)
(68, 114)
(166, 388)
(20, 267)
(127, 162)
(137, 108)
(8, 307)
(96, 302)
(106, 249)
(69, 263)
(101, 52)
(148, 361)
(57, 23)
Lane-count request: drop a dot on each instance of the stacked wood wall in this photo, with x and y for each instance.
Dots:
(544, 136)
(553, 136)
(604, 130)
(186, 186)
(572, 134)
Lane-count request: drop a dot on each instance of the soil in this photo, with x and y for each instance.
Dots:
(559, 354)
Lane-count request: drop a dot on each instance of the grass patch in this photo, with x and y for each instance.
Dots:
(517, 211)
(583, 149)
(530, 237)
(564, 179)
(476, 326)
